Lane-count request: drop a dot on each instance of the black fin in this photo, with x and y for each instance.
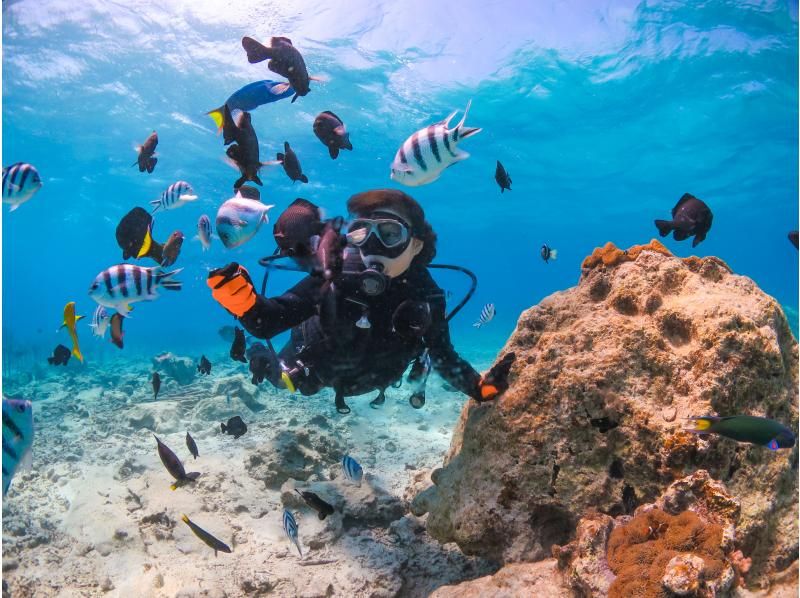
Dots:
(239, 182)
(229, 128)
(257, 181)
(304, 178)
(256, 51)
(280, 156)
(151, 164)
(664, 227)
(333, 151)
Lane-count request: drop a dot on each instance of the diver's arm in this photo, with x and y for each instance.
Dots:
(447, 362)
(271, 316)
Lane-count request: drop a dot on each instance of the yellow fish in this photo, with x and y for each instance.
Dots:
(69, 321)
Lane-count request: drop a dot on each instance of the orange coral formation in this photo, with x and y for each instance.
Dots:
(610, 255)
(638, 553)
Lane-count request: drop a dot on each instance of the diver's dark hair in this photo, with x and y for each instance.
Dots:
(363, 204)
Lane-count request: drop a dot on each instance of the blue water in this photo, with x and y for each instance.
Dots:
(604, 114)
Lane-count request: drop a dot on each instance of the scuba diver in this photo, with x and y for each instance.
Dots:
(368, 308)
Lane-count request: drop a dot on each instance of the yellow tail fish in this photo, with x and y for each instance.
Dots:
(69, 321)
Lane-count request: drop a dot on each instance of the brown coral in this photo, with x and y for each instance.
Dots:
(639, 552)
(611, 255)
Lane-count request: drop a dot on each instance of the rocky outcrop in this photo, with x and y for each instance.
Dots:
(180, 369)
(606, 374)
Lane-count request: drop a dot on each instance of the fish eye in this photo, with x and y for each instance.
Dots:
(21, 407)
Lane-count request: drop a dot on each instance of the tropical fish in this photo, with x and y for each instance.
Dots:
(290, 527)
(487, 315)
(205, 366)
(192, 445)
(134, 236)
(352, 470)
(156, 384)
(213, 543)
(70, 319)
(295, 230)
(20, 182)
(244, 154)
(17, 436)
(262, 364)
(793, 238)
(176, 195)
(172, 249)
(248, 192)
(100, 320)
(285, 60)
(418, 378)
(423, 156)
(548, 253)
(746, 428)
(250, 97)
(322, 508)
(330, 130)
(174, 465)
(502, 178)
(116, 329)
(239, 219)
(123, 284)
(238, 346)
(291, 165)
(60, 356)
(204, 231)
(690, 216)
(235, 427)
(147, 151)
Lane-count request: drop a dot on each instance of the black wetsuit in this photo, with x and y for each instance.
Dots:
(351, 359)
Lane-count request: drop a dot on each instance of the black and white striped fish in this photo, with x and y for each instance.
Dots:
(20, 182)
(424, 155)
(123, 284)
(352, 470)
(17, 436)
(204, 231)
(487, 315)
(100, 321)
(176, 195)
(290, 527)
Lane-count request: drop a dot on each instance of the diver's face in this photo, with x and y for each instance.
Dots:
(372, 252)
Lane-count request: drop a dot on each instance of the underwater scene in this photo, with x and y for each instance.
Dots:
(381, 298)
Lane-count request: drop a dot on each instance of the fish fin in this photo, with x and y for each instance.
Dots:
(294, 97)
(271, 163)
(188, 197)
(469, 132)
(240, 181)
(333, 150)
(319, 79)
(321, 516)
(460, 124)
(447, 120)
(193, 475)
(280, 40)
(664, 227)
(217, 116)
(773, 445)
(680, 235)
(173, 487)
(255, 178)
(224, 428)
(279, 89)
(77, 353)
(477, 324)
(151, 164)
(256, 51)
(14, 207)
(698, 238)
(280, 157)
(553, 254)
(304, 178)
(460, 156)
(164, 280)
(77, 318)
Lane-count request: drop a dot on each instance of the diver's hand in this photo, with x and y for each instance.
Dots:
(232, 288)
(495, 382)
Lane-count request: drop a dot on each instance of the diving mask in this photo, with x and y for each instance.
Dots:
(390, 232)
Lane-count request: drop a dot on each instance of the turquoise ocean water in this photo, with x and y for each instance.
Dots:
(604, 113)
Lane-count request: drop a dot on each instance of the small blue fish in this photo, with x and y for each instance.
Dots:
(17, 436)
(250, 97)
(290, 527)
(352, 470)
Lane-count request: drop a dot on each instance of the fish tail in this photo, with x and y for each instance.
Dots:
(164, 280)
(703, 425)
(664, 227)
(151, 164)
(218, 115)
(553, 254)
(464, 131)
(256, 51)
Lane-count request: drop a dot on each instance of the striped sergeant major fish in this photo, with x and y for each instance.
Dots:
(487, 315)
(212, 542)
(100, 321)
(175, 196)
(123, 284)
(290, 527)
(204, 231)
(17, 436)
(423, 156)
(20, 182)
(352, 470)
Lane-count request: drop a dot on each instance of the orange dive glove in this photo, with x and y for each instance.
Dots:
(232, 288)
(494, 382)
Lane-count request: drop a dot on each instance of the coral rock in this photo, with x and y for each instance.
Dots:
(682, 576)
(512, 581)
(581, 424)
(180, 369)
